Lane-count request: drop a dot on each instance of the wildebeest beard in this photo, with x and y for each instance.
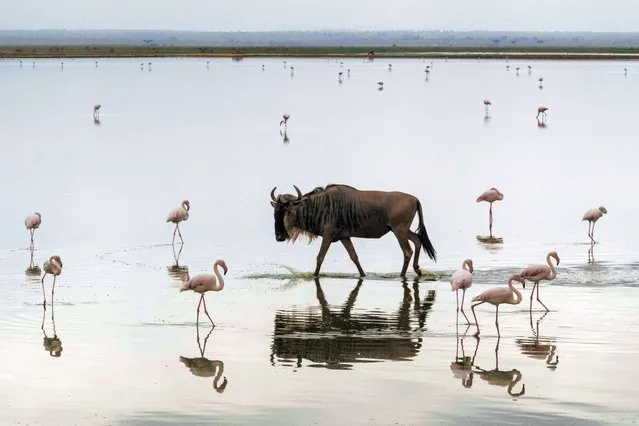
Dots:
(336, 207)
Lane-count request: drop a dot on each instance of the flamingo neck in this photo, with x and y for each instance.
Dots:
(219, 366)
(553, 271)
(465, 266)
(186, 207)
(219, 285)
(516, 379)
(516, 292)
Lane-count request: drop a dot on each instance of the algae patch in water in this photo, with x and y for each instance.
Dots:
(294, 274)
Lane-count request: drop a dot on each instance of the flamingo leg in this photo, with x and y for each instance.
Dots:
(472, 308)
(490, 220)
(53, 291)
(31, 233)
(174, 231)
(207, 312)
(197, 320)
(531, 295)
(44, 296)
(538, 300)
(177, 226)
(497, 321)
(592, 233)
(462, 306)
(457, 297)
(589, 226)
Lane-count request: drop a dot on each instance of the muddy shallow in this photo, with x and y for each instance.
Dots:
(120, 344)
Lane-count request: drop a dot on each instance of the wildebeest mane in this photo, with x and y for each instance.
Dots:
(337, 205)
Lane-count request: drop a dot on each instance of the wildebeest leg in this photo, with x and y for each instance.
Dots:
(402, 238)
(326, 243)
(348, 245)
(418, 245)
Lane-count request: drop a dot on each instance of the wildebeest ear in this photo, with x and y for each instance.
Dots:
(273, 204)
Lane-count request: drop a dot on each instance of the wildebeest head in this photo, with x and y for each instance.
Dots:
(283, 206)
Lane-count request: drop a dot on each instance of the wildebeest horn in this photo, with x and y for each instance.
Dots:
(273, 194)
(299, 193)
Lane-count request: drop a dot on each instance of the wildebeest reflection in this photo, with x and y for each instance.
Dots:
(338, 338)
(341, 212)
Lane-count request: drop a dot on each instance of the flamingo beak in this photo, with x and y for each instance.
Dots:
(225, 268)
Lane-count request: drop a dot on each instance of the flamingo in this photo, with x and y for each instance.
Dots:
(529, 69)
(380, 85)
(348, 73)
(285, 118)
(201, 283)
(490, 195)
(592, 216)
(542, 111)
(52, 266)
(462, 279)
(625, 70)
(292, 71)
(517, 70)
(487, 104)
(390, 67)
(177, 215)
(536, 273)
(96, 110)
(541, 82)
(262, 67)
(498, 295)
(339, 76)
(96, 64)
(32, 222)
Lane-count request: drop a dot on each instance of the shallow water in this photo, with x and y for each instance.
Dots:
(295, 351)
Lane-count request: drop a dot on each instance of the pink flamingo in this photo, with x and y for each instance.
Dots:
(52, 266)
(462, 279)
(177, 215)
(487, 104)
(536, 273)
(32, 222)
(202, 283)
(498, 295)
(541, 111)
(592, 216)
(490, 195)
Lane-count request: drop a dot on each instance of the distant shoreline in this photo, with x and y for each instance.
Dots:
(125, 51)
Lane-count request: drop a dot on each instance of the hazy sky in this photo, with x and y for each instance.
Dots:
(589, 15)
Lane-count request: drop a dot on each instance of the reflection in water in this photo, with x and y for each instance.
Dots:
(178, 272)
(539, 348)
(33, 270)
(501, 378)
(462, 366)
(541, 123)
(490, 247)
(591, 252)
(53, 345)
(203, 367)
(338, 338)
(284, 135)
(96, 120)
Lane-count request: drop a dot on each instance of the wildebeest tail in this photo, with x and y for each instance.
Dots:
(423, 235)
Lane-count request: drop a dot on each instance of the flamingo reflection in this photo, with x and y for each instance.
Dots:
(284, 135)
(203, 367)
(33, 270)
(462, 366)
(53, 345)
(178, 272)
(537, 347)
(591, 252)
(503, 378)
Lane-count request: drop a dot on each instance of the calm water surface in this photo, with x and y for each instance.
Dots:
(120, 345)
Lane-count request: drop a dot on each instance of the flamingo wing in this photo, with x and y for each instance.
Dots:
(494, 296)
(461, 279)
(200, 283)
(177, 214)
(592, 214)
(534, 272)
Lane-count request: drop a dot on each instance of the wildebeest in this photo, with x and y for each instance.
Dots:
(340, 212)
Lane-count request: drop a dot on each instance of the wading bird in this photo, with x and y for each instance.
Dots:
(541, 82)
(32, 222)
(490, 196)
(201, 283)
(462, 280)
(285, 118)
(487, 104)
(498, 295)
(96, 110)
(178, 215)
(52, 266)
(390, 67)
(542, 111)
(592, 216)
(380, 85)
(536, 273)
(339, 77)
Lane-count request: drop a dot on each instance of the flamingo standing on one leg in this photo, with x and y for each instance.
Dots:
(592, 216)
(487, 104)
(96, 110)
(536, 273)
(490, 195)
(52, 266)
(285, 118)
(202, 283)
(462, 280)
(541, 111)
(32, 222)
(498, 295)
(178, 215)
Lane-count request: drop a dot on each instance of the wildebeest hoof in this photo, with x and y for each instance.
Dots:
(418, 271)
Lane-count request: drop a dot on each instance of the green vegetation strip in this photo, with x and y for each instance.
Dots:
(293, 274)
(105, 51)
